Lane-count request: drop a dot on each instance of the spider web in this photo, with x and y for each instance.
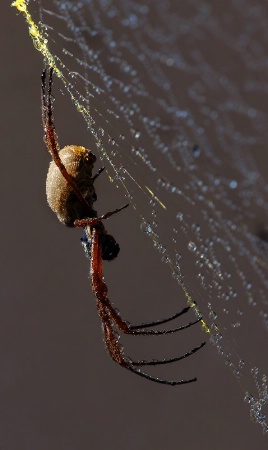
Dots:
(175, 96)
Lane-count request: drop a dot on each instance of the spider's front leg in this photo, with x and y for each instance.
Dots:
(50, 136)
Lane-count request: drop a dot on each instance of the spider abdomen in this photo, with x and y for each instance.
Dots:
(61, 198)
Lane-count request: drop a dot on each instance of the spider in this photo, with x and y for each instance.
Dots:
(71, 194)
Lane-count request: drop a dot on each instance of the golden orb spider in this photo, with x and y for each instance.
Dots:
(71, 194)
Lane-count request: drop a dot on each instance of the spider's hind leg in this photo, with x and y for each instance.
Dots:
(157, 362)
(161, 321)
(117, 354)
(126, 328)
(159, 380)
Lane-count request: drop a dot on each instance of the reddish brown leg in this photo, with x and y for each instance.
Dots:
(114, 348)
(116, 351)
(94, 220)
(109, 316)
(99, 288)
(100, 291)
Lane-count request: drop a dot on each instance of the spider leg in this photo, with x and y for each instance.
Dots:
(156, 362)
(124, 326)
(100, 291)
(101, 169)
(111, 340)
(94, 220)
(160, 322)
(44, 101)
(116, 350)
(159, 380)
(99, 288)
(50, 137)
(159, 332)
(109, 317)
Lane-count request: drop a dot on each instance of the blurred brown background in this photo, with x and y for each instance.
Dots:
(59, 389)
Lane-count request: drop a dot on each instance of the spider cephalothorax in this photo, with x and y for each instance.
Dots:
(71, 194)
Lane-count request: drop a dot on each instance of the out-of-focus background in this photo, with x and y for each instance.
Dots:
(59, 389)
